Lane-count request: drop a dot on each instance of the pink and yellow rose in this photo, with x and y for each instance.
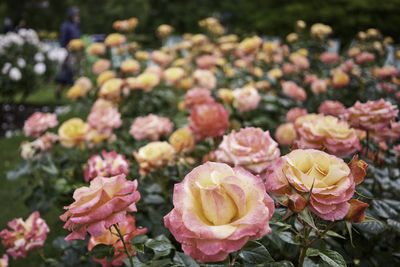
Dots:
(217, 209)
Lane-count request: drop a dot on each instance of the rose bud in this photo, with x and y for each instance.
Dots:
(296, 202)
(356, 212)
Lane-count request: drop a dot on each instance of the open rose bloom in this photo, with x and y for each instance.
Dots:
(327, 132)
(151, 127)
(250, 148)
(217, 209)
(25, 235)
(39, 122)
(108, 164)
(99, 206)
(327, 178)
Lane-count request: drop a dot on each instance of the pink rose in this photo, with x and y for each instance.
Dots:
(334, 108)
(390, 133)
(347, 66)
(197, 96)
(246, 99)
(25, 235)
(331, 180)
(110, 237)
(217, 209)
(104, 119)
(101, 65)
(151, 127)
(206, 61)
(329, 57)
(365, 57)
(372, 115)
(288, 68)
(318, 86)
(97, 207)
(209, 120)
(110, 164)
(295, 113)
(205, 78)
(39, 122)
(387, 72)
(310, 78)
(328, 132)
(292, 90)
(250, 148)
(161, 58)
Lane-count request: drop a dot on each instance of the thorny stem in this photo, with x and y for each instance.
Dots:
(306, 243)
(125, 247)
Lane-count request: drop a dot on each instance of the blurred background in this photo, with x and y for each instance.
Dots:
(273, 17)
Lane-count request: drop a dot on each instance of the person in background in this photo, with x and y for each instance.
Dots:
(7, 27)
(70, 29)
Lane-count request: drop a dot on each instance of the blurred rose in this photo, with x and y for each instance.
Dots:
(294, 113)
(250, 148)
(292, 90)
(320, 30)
(173, 75)
(206, 61)
(73, 132)
(334, 108)
(100, 66)
(286, 134)
(115, 39)
(108, 164)
(111, 89)
(246, 99)
(182, 140)
(105, 76)
(161, 58)
(197, 96)
(97, 207)
(130, 66)
(372, 115)
(329, 57)
(84, 83)
(25, 235)
(209, 120)
(217, 209)
(365, 57)
(164, 30)
(318, 86)
(154, 155)
(205, 78)
(39, 122)
(96, 49)
(75, 45)
(4, 261)
(328, 132)
(340, 79)
(104, 119)
(226, 95)
(151, 127)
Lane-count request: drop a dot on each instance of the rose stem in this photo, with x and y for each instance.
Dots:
(123, 242)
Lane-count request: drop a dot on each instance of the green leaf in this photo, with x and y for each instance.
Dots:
(139, 239)
(334, 234)
(183, 260)
(306, 216)
(255, 253)
(101, 251)
(160, 245)
(394, 224)
(288, 237)
(332, 258)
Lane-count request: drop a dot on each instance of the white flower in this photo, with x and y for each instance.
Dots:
(39, 68)
(57, 54)
(15, 74)
(6, 67)
(39, 57)
(21, 62)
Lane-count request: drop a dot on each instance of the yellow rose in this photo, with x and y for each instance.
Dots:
(130, 66)
(75, 45)
(275, 73)
(96, 49)
(154, 155)
(292, 37)
(142, 55)
(115, 39)
(76, 92)
(226, 95)
(73, 132)
(111, 89)
(105, 76)
(182, 140)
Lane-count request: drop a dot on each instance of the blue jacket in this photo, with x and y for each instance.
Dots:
(69, 30)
